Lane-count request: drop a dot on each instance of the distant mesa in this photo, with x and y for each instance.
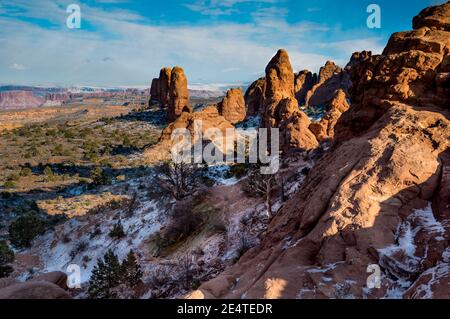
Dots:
(19, 100)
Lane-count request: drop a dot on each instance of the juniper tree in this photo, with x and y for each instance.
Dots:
(6, 257)
(106, 275)
(178, 180)
(131, 271)
(117, 231)
(24, 229)
(261, 185)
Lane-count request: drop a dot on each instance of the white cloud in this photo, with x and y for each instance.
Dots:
(220, 7)
(17, 66)
(128, 50)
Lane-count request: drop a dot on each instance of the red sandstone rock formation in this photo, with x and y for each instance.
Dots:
(19, 100)
(46, 286)
(324, 129)
(254, 97)
(164, 86)
(368, 200)
(330, 80)
(281, 109)
(232, 107)
(209, 117)
(304, 81)
(178, 94)
(154, 91)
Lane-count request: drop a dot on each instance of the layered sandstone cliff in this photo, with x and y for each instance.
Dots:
(19, 99)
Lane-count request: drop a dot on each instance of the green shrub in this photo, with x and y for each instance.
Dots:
(9, 184)
(238, 170)
(117, 231)
(48, 174)
(99, 177)
(24, 229)
(110, 273)
(26, 171)
(13, 177)
(131, 271)
(6, 257)
(105, 276)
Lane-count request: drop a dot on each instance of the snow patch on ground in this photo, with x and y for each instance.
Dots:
(399, 260)
(93, 237)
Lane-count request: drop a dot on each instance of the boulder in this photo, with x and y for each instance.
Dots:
(56, 277)
(33, 290)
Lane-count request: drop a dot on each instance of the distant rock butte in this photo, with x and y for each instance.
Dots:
(170, 90)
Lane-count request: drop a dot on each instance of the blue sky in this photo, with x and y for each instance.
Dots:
(125, 43)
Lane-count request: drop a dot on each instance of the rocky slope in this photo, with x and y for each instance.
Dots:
(378, 197)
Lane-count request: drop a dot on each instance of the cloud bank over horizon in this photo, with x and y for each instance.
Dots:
(127, 42)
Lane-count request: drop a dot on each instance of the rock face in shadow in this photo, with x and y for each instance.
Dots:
(330, 80)
(154, 91)
(178, 94)
(232, 107)
(164, 85)
(281, 109)
(304, 82)
(159, 90)
(377, 197)
(324, 129)
(254, 97)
